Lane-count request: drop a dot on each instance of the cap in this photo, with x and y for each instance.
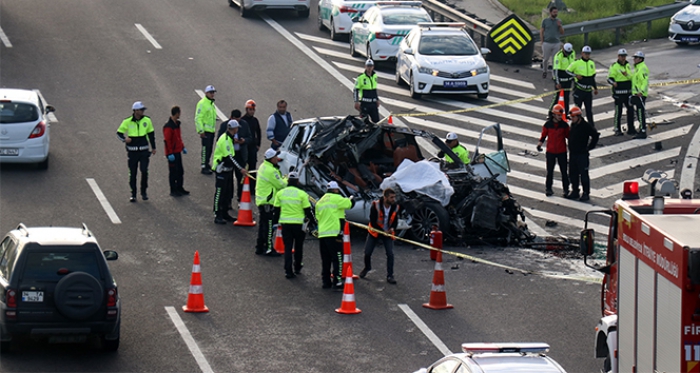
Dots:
(451, 136)
(210, 88)
(369, 62)
(333, 185)
(586, 49)
(568, 47)
(574, 111)
(250, 104)
(293, 175)
(639, 54)
(558, 109)
(622, 52)
(233, 124)
(138, 105)
(271, 153)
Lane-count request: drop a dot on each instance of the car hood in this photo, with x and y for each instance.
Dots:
(452, 63)
(691, 12)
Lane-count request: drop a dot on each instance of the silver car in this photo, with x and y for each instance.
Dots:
(24, 127)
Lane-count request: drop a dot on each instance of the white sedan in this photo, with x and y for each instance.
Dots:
(337, 15)
(378, 33)
(442, 58)
(24, 127)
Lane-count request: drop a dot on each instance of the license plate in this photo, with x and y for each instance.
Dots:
(9, 151)
(68, 339)
(690, 39)
(456, 84)
(32, 296)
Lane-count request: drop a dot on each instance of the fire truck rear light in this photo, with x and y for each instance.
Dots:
(480, 348)
(630, 190)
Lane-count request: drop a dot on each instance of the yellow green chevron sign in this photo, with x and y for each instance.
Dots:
(511, 35)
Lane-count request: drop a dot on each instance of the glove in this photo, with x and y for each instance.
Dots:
(171, 157)
(539, 148)
(184, 150)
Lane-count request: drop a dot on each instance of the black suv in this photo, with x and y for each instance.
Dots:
(55, 283)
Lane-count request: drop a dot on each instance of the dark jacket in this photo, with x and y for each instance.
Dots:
(374, 216)
(557, 132)
(579, 135)
(172, 137)
(257, 137)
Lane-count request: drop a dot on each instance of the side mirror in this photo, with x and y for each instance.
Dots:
(50, 109)
(110, 255)
(408, 51)
(356, 19)
(694, 266)
(586, 244)
(485, 51)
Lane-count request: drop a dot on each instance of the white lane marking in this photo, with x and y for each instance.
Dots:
(599, 228)
(437, 342)
(189, 340)
(634, 162)
(103, 201)
(148, 36)
(336, 54)
(616, 189)
(510, 81)
(690, 164)
(327, 41)
(5, 39)
(51, 116)
(553, 200)
(610, 113)
(219, 114)
(638, 143)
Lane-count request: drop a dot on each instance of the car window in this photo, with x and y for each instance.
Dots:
(6, 243)
(372, 16)
(407, 18)
(447, 45)
(462, 369)
(446, 366)
(7, 260)
(409, 39)
(17, 112)
(46, 265)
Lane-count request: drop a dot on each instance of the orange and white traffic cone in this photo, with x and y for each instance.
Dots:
(348, 306)
(560, 101)
(347, 252)
(195, 298)
(245, 212)
(390, 121)
(279, 242)
(438, 298)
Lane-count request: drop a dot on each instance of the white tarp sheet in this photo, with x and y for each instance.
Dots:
(421, 177)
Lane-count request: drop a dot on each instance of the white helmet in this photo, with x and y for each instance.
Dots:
(622, 52)
(586, 49)
(568, 47)
(639, 54)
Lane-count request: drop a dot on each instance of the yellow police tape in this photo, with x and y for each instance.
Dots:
(526, 99)
(488, 262)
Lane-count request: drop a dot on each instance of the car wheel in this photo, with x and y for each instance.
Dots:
(78, 296)
(425, 217)
(245, 13)
(398, 79)
(369, 53)
(231, 3)
(320, 20)
(411, 85)
(607, 366)
(304, 13)
(353, 51)
(681, 43)
(5, 346)
(334, 35)
(111, 345)
(482, 96)
(44, 165)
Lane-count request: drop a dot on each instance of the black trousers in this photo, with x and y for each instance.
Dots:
(175, 173)
(239, 177)
(138, 161)
(293, 237)
(552, 160)
(623, 102)
(207, 148)
(331, 256)
(371, 243)
(578, 169)
(266, 235)
(221, 200)
(582, 98)
(566, 86)
(640, 108)
(371, 110)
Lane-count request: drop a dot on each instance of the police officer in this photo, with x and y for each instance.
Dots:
(583, 70)
(582, 138)
(620, 77)
(383, 218)
(136, 131)
(205, 123)
(330, 212)
(278, 125)
(224, 163)
(460, 151)
(555, 131)
(292, 205)
(562, 80)
(640, 91)
(365, 92)
(240, 144)
(269, 182)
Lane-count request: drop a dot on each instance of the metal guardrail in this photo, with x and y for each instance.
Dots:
(442, 12)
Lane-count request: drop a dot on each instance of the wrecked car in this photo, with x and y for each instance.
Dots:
(468, 203)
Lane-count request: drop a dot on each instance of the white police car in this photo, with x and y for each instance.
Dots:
(337, 15)
(685, 25)
(378, 33)
(497, 358)
(442, 58)
(303, 7)
(24, 127)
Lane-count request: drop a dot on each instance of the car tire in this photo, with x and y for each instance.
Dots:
(231, 3)
(482, 96)
(353, 51)
(427, 215)
(5, 346)
(397, 78)
(111, 345)
(245, 13)
(304, 13)
(334, 35)
(321, 27)
(681, 43)
(412, 89)
(369, 53)
(78, 296)
(44, 165)
(607, 365)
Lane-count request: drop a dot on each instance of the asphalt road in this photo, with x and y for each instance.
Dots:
(90, 61)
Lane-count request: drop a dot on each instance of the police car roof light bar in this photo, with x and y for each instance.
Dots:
(480, 348)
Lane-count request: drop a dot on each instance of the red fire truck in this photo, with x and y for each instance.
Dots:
(650, 299)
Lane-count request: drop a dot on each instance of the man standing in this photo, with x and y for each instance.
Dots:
(278, 125)
(562, 80)
(583, 70)
(173, 149)
(330, 212)
(136, 131)
(620, 77)
(640, 91)
(253, 147)
(579, 146)
(382, 218)
(460, 151)
(269, 182)
(557, 131)
(224, 163)
(550, 31)
(205, 123)
(292, 205)
(240, 145)
(365, 92)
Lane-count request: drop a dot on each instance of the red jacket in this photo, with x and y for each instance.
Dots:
(172, 137)
(557, 132)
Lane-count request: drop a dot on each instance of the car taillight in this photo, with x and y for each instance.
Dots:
(347, 9)
(383, 35)
(11, 298)
(112, 297)
(38, 131)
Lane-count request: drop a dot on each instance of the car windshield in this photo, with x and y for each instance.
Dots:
(406, 18)
(46, 266)
(447, 45)
(17, 112)
(697, 2)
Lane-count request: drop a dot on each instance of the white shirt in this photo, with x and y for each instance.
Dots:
(386, 217)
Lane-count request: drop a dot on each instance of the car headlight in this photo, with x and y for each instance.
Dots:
(427, 70)
(481, 70)
(673, 21)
